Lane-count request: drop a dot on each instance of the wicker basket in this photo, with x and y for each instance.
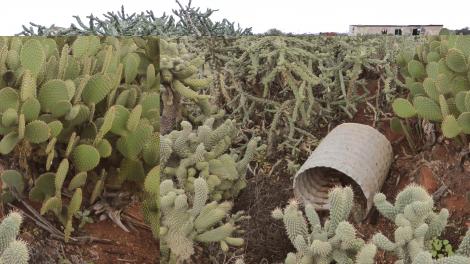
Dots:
(351, 154)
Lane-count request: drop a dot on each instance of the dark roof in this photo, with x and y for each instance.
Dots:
(398, 25)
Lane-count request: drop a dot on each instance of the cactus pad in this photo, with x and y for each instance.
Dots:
(85, 157)
(37, 131)
(450, 127)
(456, 60)
(32, 56)
(52, 92)
(96, 89)
(403, 108)
(427, 108)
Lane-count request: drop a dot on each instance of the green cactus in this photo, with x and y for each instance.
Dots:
(12, 184)
(104, 148)
(450, 127)
(31, 109)
(462, 255)
(44, 187)
(403, 108)
(9, 98)
(179, 70)
(74, 206)
(9, 117)
(150, 206)
(334, 242)
(28, 86)
(60, 103)
(429, 86)
(201, 153)
(37, 131)
(78, 181)
(416, 69)
(85, 157)
(417, 224)
(427, 108)
(96, 89)
(8, 142)
(32, 56)
(12, 251)
(150, 151)
(52, 92)
(131, 65)
(85, 46)
(456, 60)
(440, 69)
(182, 226)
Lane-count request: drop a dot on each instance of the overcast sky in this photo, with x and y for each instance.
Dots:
(297, 16)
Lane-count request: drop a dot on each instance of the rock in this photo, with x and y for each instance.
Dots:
(455, 203)
(427, 180)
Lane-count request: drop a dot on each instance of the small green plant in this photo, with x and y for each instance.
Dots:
(440, 248)
(84, 217)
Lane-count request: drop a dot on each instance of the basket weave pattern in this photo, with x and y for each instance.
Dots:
(356, 151)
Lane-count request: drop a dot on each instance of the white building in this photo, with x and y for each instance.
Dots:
(405, 30)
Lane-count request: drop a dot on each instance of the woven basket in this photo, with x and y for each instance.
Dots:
(351, 154)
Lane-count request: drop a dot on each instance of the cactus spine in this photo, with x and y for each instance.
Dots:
(12, 251)
(334, 241)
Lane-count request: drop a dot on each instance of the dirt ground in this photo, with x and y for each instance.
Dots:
(442, 168)
(111, 244)
(114, 245)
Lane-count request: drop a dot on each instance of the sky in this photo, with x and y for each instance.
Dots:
(296, 16)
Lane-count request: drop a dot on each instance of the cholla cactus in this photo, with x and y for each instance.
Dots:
(202, 154)
(335, 241)
(436, 74)
(178, 71)
(462, 255)
(188, 21)
(302, 83)
(12, 251)
(417, 225)
(185, 221)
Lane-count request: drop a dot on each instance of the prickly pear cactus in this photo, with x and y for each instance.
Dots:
(188, 219)
(437, 77)
(189, 154)
(150, 205)
(334, 242)
(12, 251)
(417, 224)
(72, 105)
